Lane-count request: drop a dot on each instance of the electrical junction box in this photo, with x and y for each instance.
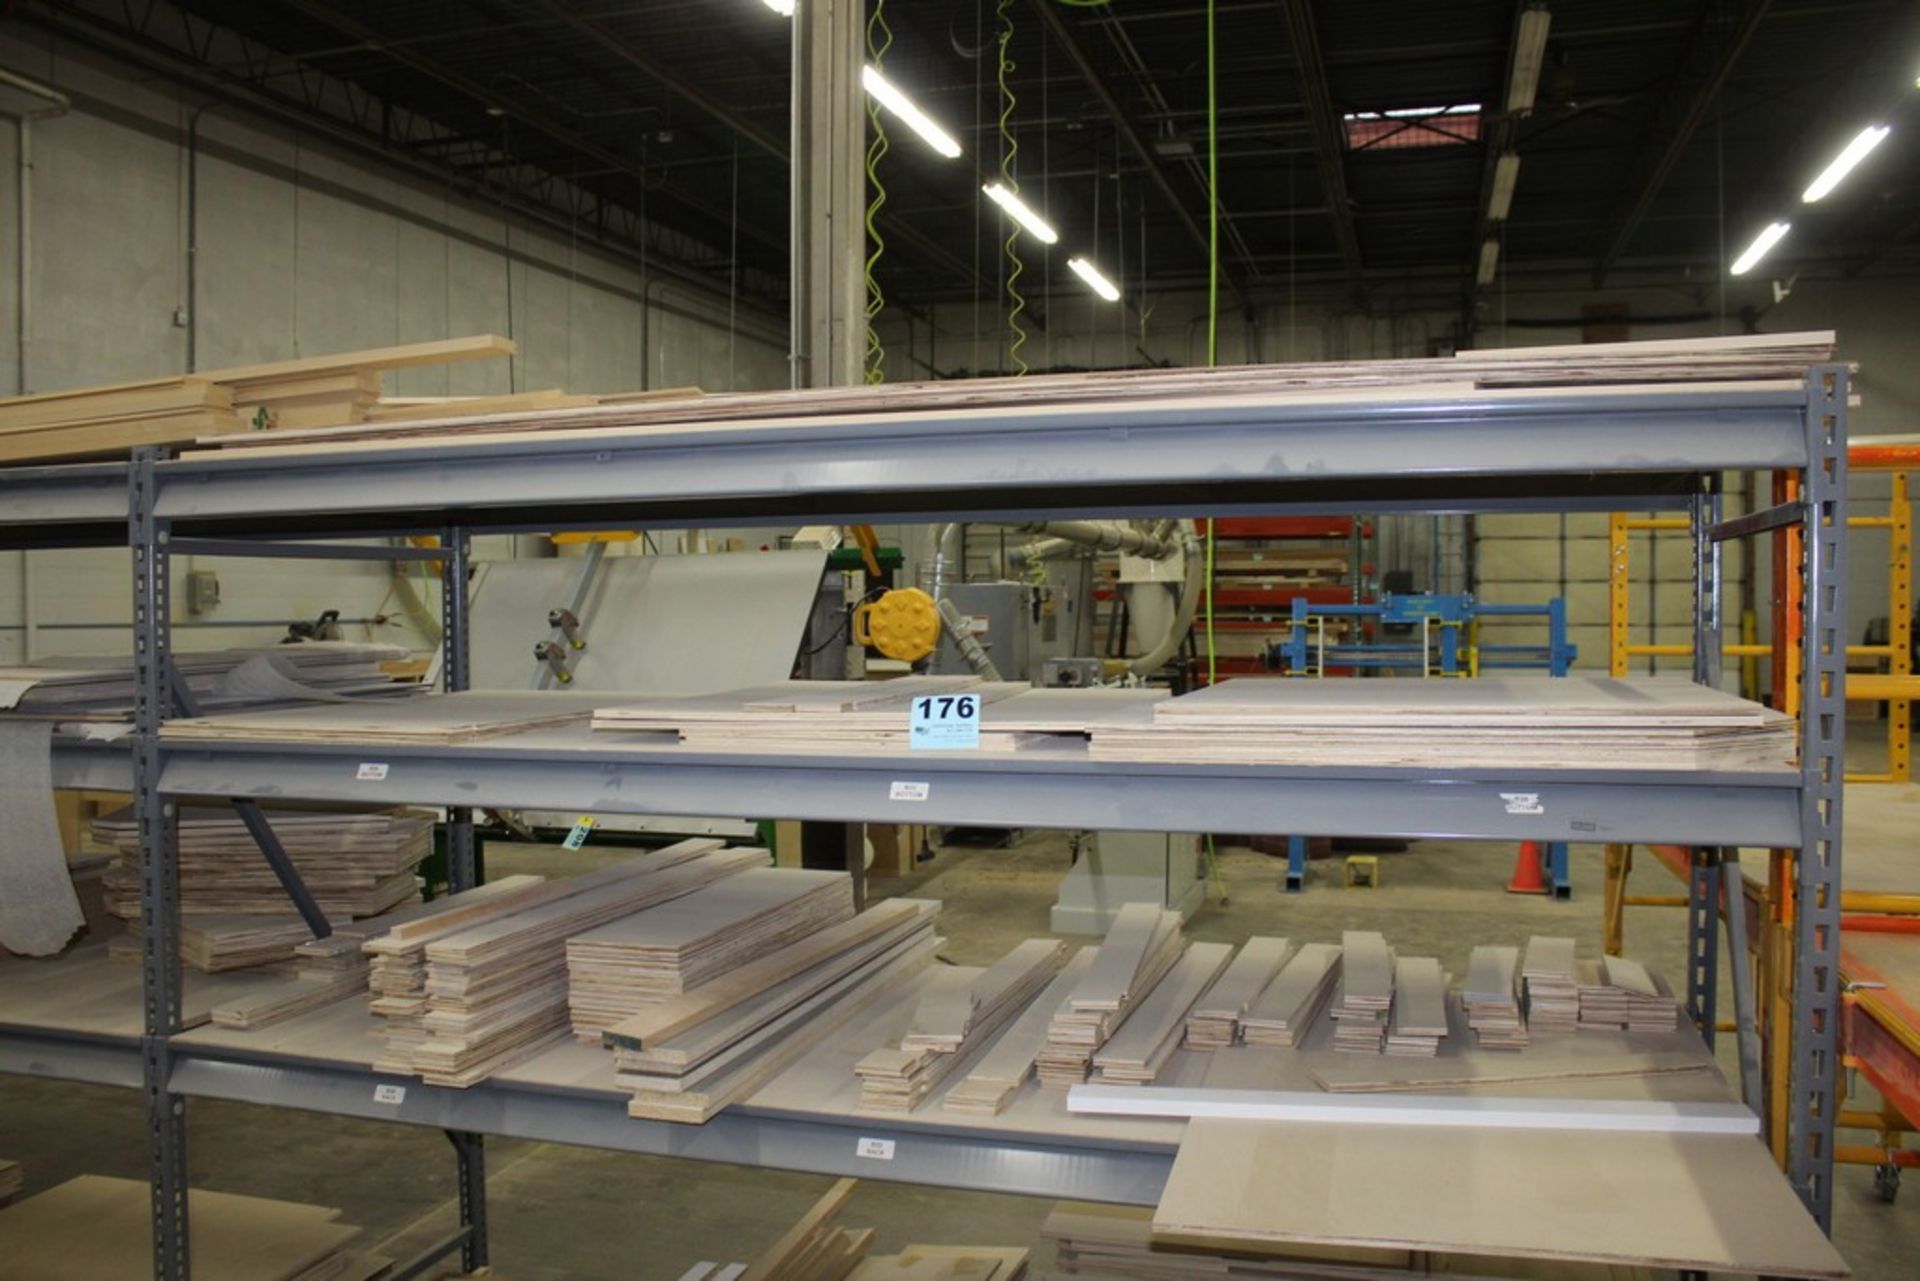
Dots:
(203, 591)
(1071, 673)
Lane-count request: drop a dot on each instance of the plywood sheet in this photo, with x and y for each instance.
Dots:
(1713, 1202)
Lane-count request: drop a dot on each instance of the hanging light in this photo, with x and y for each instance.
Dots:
(1850, 155)
(889, 96)
(1767, 239)
(1021, 212)
(1096, 281)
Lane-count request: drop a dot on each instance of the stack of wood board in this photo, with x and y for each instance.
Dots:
(1143, 943)
(948, 1024)
(1117, 1240)
(438, 720)
(11, 1181)
(1618, 994)
(1419, 1019)
(688, 1059)
(1140, 1048)
(652, 956)
(1553, 995)
(1283, 1012)
(1214, 1023)
(355, 864)
(806, 715)
(998, 1075)
(1491, 997)
(1589, 722)
(1364, 995)
(945, 1263)
(1740, 361)
(101, 689)
(94, 1228)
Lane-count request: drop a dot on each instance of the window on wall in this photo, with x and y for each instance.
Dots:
(1403, 127)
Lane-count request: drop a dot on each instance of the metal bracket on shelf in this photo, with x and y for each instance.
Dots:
(470, 1155)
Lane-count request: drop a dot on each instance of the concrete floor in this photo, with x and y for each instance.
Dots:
(569, 1214)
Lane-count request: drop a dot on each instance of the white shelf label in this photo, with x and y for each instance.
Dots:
(390, 1094)
(1522, 802)
(901, 791)
(874, 1149)
(944, 722)
(371, 771)
(578, 836)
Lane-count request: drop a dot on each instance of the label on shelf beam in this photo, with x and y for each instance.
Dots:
(393, 1095)
(901, 791)
(371, 772)
(1523, 802)
(874, 1149)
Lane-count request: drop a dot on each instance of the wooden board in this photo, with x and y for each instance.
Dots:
(436, 720)
(1712, 1202)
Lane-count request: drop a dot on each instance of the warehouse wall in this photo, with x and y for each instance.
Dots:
(297, 251)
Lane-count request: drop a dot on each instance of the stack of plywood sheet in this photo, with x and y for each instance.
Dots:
(1552, 991)
(94, 689)
(1418, 1022)
(1776, 361)
(1491, 997)
(355, 863)
(1364, 996)
(1282, 1013)
(1587, 722)
(999, 1074)
(1117, 1240)
(99, 1229)
(1617, 994)
(948, 1024)
(1214, 1022)
(1136, 1053)
(310, 391)
(652, 956)
(687, 1059)
(1143, 943)
(436, 720)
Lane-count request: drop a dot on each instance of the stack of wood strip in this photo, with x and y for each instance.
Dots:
(688, 1058)
(1419, 1019)
(948, 1024)
(1553, 995)
(650, 957)
(102, 689)
(1618, 994)
(1492, 998)
(306, 392)
(1365, 993)
(1281, 1014)
(1214, 1023)
(1768, 360)
(992, 1082)
(1137, 1052)
(1143, 943)
(356, 864)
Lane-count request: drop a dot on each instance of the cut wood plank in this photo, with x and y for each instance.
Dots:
(1142, 1045)
(1705, 1201)
(1215, 1021)
(1000, 1073)
(777, 1256)
(1281, 1014)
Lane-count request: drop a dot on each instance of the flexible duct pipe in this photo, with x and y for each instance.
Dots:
(1190, 591)
(963, 639)
(949, 552)
(1103, 536)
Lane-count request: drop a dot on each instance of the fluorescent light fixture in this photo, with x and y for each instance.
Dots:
(1506, 172)
(1751, 256)
(1489, 262)
(782, 7)
(1095, 281)
(1021, 212)
(911, 116)
(1529, 56)
(1850, 155)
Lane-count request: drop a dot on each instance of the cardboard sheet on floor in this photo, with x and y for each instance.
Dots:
(1712, 1202)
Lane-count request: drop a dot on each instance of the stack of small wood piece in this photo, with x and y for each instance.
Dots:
(620, 968)
(1139, 1050)
(1553, 994)
(355, 864)
(952, 1021)
(1214, 1022)
(991, 1083)
(1365, 994)
(1491, 997)
(687, 1058)
(1419, 1020)
(1143, 943)
(1282, 1013)
(1619, 994)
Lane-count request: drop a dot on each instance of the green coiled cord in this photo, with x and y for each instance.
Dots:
(879, 40)
(1009, 148)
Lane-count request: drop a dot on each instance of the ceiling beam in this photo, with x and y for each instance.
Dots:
(1328, 144)
(1061, 28)
(1715, 46)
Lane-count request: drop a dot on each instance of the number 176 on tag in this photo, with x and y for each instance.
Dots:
(944, 722)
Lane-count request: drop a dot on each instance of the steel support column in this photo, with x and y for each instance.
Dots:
(828, 237)
(470, 1156)
(1823, 721)
(456, 675)
(156, 819)
(1703, 941)
(1704, 516)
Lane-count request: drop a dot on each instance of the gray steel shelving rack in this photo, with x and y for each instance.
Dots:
(1599, 450)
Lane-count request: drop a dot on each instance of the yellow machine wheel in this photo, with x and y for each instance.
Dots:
(903, 624)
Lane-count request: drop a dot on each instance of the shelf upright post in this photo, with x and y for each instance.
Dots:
(1703, 514)
(469, 1149)
(156, 820)
(1703, 940)
(1813, 1079)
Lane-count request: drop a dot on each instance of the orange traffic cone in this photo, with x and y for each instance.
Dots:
(1526, 871)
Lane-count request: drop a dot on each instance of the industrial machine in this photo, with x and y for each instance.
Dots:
(1431, 634)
